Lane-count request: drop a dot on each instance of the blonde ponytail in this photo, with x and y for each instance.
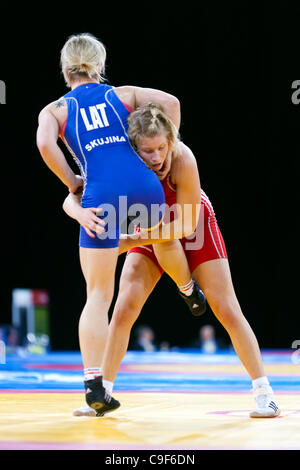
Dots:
(150, 120)
(83, 56)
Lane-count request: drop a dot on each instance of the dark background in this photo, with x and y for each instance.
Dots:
(232, 66)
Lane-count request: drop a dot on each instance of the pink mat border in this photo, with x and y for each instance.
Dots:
(201, 392)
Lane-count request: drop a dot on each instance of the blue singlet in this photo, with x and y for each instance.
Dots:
(115, 177)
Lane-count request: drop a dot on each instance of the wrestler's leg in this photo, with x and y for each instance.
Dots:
(138, 279)
(93, 324)
(214, 277)
(172, 259)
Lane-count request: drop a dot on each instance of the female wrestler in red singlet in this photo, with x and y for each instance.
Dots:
(205, 252)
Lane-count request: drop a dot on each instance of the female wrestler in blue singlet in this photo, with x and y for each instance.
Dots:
(92, 121)
(96, 134)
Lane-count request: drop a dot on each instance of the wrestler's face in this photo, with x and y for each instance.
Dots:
(154, 150)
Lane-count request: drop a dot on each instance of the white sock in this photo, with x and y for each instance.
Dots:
(92, 372)
(108, 386)
(260, 381)
(188, 288)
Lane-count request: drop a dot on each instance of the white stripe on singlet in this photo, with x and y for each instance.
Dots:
(205, 200)
(83, 171)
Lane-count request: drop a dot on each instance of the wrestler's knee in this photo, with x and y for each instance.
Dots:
(126, 310)
(101, 294)
(227, 310)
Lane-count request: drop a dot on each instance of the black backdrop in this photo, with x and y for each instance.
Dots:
(232, 66)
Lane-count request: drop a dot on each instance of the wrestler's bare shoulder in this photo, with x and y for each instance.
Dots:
(58, 109)
(183, 157)
(126, 94)
(183, 165)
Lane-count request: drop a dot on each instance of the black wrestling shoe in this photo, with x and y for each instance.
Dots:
(196, 301)
(97, 397)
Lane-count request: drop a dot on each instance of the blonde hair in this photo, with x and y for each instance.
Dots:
(82, 56)
(149, 120)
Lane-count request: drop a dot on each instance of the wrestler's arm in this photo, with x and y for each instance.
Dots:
(137, 96)
(188, 188)
(85, 216)
(46, 139)
(188, 194)
(169, 103)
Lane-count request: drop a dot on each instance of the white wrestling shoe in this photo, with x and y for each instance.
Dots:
(85, 410)
(265, 404)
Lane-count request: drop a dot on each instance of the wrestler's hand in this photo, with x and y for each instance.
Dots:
(77, 186)
(90, 222)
